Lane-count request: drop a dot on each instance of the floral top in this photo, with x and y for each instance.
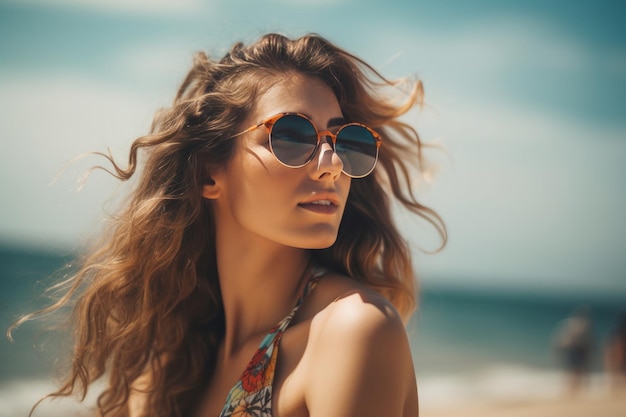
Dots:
(252, 394)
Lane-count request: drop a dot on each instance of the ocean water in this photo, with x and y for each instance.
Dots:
(473, 346)
(467, 344)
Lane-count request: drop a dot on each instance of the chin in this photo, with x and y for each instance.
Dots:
(318, 236)
(317, 241)
(323, 242)
(322, 246)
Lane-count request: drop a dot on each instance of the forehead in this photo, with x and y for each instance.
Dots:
(297, 93)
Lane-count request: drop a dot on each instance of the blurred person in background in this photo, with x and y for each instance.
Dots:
(615, 355)
(261, 221)
(573, 344)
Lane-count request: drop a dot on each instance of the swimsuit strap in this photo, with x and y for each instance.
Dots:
(282, 326)
(253, 390)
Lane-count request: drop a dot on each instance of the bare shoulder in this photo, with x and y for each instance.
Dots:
(357, 310)
(360, 355)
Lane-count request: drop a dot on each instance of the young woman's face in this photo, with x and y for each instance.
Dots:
(255, 196)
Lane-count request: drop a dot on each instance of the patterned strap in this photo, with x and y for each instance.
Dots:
(253, 390)
(282, 326)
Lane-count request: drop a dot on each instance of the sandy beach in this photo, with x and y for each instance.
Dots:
(596, 406)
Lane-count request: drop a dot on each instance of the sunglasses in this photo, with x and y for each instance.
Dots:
(294, 140)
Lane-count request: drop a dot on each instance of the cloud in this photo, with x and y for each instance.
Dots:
(508, 43)
(315, 3)
(490, 51)
(526, 193)
(163, 7)
(46, 123)
(163, 63)
(526, 190)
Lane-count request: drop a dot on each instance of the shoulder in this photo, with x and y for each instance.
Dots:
(339, 300)
(356, 320)
(358, 311)
(360, 355)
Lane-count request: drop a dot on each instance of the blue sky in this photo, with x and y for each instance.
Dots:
(526, 98)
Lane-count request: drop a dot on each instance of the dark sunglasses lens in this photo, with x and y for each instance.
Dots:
(293, 140)
(356, 146)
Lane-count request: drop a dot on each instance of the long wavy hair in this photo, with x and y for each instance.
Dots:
(146, 298)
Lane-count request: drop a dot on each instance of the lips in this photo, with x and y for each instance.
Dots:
(327, 204)
(322, 203)
(322, 199)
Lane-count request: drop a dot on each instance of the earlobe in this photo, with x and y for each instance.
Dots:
(211, 190)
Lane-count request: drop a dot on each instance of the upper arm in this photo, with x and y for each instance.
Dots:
(360, 362)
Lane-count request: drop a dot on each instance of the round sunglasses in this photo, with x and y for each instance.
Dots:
(294, 141)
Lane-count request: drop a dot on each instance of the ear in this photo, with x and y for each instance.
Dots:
(211, 189)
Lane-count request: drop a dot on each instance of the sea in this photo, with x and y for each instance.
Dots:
(468, 344)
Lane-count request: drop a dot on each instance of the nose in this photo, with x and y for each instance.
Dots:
(328, 162)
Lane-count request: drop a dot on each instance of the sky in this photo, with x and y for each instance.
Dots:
(524, 102)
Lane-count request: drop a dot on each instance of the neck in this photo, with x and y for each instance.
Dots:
(260, 285)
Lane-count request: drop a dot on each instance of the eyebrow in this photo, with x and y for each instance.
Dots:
(336, 121)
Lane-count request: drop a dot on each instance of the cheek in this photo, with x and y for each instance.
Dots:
(343, 185)
(260, 184)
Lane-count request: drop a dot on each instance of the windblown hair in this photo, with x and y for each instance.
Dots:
(147, 298)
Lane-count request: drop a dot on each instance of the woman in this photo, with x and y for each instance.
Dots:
(260, 223)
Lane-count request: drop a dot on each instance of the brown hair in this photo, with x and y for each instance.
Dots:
(150, 291)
